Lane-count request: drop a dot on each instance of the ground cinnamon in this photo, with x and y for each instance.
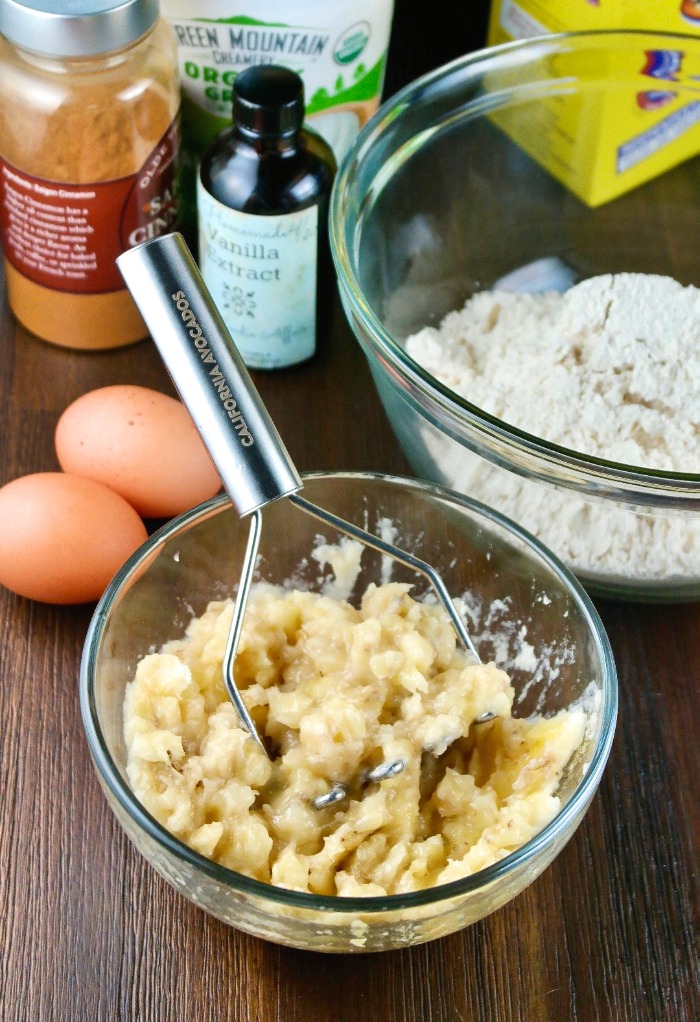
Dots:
(88, 158)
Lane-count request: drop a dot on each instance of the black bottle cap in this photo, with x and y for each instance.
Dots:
(268, 100)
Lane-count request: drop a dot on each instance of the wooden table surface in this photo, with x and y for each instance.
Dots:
(88, 931)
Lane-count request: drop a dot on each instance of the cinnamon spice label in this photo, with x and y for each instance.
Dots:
(67, 236)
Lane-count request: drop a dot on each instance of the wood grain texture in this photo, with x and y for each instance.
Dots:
(90, 933)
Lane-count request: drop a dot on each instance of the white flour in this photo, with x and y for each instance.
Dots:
(611, 368)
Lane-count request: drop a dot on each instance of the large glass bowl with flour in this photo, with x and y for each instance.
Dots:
(525, 611)
(589, 440)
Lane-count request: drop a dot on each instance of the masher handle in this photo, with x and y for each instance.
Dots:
(208, 372)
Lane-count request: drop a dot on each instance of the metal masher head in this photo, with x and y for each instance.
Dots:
(255, 467)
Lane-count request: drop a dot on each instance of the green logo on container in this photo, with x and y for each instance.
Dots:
(351, 43)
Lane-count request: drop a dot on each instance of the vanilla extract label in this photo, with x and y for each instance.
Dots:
(261, 272)
(243, 259)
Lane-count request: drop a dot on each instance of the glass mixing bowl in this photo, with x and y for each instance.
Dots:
(512, 583)
(435, 202)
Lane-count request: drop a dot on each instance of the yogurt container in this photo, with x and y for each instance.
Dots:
(339, 47)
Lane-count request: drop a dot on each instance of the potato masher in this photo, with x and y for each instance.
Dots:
(244, 445)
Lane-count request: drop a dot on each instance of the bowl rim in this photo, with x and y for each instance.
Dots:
(650, 487)
(244, 885)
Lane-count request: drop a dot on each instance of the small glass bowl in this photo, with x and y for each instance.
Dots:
(435, 202)
(512, 583)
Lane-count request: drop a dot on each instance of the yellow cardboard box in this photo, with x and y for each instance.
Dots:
(601, 145)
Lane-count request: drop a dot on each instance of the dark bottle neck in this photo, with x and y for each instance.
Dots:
(280, 145)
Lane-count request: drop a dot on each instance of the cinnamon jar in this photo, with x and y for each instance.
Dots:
(89, 100)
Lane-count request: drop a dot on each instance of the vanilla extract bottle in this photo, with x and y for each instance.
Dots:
(262, 207)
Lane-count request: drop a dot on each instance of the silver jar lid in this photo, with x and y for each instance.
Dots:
(76, 28)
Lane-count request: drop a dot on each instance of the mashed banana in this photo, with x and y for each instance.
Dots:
(336, 691)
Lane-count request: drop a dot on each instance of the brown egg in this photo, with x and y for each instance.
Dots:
(140, 443)
(62, 538)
